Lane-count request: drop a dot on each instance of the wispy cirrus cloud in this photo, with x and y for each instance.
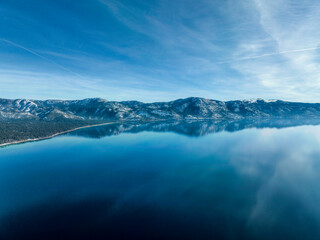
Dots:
(291, 68)
(40, 56)
(272, 54)
(166, 49)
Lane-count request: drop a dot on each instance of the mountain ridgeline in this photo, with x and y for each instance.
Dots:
(24, 120)
(182, 109)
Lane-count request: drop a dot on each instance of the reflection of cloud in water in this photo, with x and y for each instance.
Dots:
(253, 184)
(287, 162)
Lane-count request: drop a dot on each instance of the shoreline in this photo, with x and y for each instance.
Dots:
(53, 135)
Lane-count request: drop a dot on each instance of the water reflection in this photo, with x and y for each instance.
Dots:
(192, 128)
(252, 184)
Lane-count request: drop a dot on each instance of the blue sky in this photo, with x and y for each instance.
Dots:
(159, 50)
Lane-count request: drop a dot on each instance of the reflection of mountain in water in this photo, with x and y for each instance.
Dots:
(190, 128)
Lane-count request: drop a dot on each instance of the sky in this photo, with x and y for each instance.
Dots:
(160, 50)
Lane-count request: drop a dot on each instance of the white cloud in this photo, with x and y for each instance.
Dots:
(216, 49)
(289, 64)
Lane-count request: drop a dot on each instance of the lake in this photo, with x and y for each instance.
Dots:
(164, 181)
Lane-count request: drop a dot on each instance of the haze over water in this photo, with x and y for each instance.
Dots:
(248, 184)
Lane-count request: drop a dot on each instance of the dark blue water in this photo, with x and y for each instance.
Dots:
(248, 184)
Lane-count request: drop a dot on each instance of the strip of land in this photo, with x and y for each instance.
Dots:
(53, 135)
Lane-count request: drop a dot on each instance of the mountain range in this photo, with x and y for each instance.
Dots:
(27, 120)
(190, 108)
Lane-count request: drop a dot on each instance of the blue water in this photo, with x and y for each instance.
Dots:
(248, 184)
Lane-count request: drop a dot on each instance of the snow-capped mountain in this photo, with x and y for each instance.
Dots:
(189, 108)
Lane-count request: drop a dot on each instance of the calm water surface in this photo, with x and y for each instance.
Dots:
(249, 184)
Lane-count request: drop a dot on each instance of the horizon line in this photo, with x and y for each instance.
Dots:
(91, 98)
